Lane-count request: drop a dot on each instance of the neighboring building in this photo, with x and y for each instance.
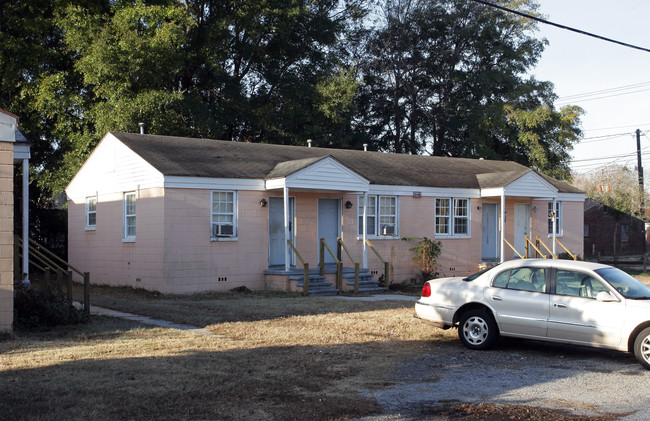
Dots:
(182, 215)
(609, 232)
(13, 148)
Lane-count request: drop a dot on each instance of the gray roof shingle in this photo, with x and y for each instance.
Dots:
(192, 157)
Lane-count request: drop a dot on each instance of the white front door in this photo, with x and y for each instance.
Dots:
(490, 230)
(277, 244)
(329, 224)
(522, 227)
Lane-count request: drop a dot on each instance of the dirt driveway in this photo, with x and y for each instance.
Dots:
(581, 381)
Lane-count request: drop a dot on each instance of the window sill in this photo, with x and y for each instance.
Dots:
(452, 237)
(379, 237)
(128, 240)
(223, 239)
(90, 228)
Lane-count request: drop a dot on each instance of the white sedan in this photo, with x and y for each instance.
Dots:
(579, 303)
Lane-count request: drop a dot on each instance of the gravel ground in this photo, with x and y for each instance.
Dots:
(580, 382)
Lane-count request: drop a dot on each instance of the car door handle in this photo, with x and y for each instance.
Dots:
(559, 305)
(496, 298)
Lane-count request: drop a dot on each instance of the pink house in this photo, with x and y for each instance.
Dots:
(182, 215)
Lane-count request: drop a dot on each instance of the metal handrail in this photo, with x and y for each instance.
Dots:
(341, 245)
(305, 282)
(386, 264)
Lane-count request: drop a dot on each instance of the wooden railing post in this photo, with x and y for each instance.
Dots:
(645, 262)
(46, 278)
(339, 275)
(86, 295)
(356, 278)
(322, 257)
(305, 281)
(387, 274)
(69, 294)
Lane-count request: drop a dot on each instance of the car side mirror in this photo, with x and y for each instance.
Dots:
(605, 296)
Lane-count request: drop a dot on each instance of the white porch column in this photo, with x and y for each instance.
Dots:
(25, 204)
(287, 249)
(554, 223)
(365, 229)
(502, 221)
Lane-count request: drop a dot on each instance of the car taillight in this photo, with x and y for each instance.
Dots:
(426, 290)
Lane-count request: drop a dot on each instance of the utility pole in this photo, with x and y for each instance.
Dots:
(640, 167)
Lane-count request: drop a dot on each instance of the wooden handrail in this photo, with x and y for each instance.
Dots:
(574, 256)
(386, 264)
(305, 280)
(513, 249)
(539, 241)
(341, 245)
(339, 265)
(49, 260)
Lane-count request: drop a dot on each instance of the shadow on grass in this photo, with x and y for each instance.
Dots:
(112, 379)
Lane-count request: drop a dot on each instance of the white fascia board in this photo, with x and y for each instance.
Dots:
(424, 191)
(8, 126)
(214, 183)
(275, 183)
(22, 151)
(571, 197)
(492, 192)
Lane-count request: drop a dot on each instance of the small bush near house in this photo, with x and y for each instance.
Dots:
(425, 256)
(42, 309)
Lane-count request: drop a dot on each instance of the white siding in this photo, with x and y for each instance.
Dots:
(326, 174)
(112, 168)
(530, 185)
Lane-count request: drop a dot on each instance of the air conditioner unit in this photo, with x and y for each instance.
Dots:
(222, 230)
(388, 230)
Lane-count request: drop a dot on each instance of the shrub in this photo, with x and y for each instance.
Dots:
(41, 309)
(425, 255)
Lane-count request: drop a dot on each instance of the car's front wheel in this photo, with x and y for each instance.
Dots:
(477, 329)
(642, 347)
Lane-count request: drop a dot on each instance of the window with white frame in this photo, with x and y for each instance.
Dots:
(224, 214)
(452, 216)
(558, 218)
(91, 213)
(381, 216)
(129, 216)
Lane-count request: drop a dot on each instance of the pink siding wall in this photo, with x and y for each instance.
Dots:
(105, 255)
(173, 252)
(6, 235)
(193, 263)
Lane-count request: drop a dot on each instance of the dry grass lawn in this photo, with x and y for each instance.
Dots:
(286, 357)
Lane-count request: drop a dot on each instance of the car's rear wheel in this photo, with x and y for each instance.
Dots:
(477, 329)
(642, 347)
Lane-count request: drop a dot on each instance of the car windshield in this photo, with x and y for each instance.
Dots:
(477, 274)
(625, 284)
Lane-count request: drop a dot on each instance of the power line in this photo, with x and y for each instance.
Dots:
(566, 101)
(605, 91)
(568, 28)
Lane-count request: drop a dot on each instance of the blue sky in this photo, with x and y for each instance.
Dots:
(578, 64)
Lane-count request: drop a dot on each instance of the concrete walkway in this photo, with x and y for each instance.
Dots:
(100, 311)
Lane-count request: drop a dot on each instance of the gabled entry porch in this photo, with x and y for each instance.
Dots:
(310, 202)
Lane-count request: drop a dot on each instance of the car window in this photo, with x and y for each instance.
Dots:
(625, 284)
(522, 279)
(577, 284)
